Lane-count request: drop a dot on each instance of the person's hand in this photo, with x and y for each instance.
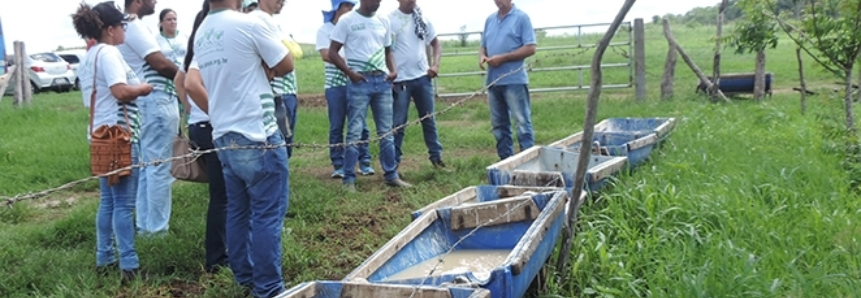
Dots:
(356, 77)
(433, 71)
(392, 76)
(146, 89)
(495, 61)
(481, 61)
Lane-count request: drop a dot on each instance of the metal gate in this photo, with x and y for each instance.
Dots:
(626, 29)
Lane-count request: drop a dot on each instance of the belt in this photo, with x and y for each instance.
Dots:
(373, 73)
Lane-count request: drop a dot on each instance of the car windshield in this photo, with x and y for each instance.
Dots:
(46, 57)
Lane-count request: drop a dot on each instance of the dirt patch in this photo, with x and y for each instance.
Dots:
(170, 289)
(315, 100)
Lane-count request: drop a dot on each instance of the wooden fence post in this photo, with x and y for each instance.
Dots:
(25, 75)
(670, 66)
(640, 58)
(18, 76)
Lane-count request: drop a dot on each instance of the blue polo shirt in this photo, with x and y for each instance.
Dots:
(503, 36)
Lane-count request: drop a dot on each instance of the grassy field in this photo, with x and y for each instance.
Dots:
(746, 200)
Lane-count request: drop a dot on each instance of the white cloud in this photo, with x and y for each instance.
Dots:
(45, 24)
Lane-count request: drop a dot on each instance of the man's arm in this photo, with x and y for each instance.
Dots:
(274, 53)
(390, 64)
(179, 82)
(336, 59)
(482, 57)
(161, 65)
(323, 44)
(194, 86)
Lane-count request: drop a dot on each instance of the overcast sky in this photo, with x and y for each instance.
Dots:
(45, 24)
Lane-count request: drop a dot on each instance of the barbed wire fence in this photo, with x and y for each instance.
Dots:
(9, 201)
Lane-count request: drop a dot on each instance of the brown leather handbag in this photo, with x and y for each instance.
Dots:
(110, 146)
(188, 167)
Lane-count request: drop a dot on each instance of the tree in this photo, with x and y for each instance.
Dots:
(463, 36)
(830, 33)
(754, 33)
(656, 19)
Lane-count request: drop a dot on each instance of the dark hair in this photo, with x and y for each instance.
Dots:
(161, 16)
(87, 22)
(129, 3)
(197, 21)
(90, 21)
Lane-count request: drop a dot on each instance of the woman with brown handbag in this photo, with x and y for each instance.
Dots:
(111, 86)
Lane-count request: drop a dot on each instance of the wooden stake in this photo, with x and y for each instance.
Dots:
(716, 76)
(586, 147)
(669, 67)
(691, 63)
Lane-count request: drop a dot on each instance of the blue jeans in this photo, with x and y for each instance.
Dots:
(375, 93)
(336, 102)
(115, 221)
(216, 214)
(421, 91)
(285, 111)
(257, 201)
(159, 114)
(510, 101)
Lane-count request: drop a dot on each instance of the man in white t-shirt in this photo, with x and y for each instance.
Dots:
(229, 47)
(367, 39)
(159, 113)
(413, 33)
(336, 94)
(284, 88)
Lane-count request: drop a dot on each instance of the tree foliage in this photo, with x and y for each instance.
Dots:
(754, 31)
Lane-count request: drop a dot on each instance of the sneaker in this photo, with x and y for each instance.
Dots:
(366, 170)
(339, 173)
(350, 187)
(438, 163)
(398, 183)
(107, 269)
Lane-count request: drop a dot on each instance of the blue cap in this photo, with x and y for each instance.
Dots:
(328, 16)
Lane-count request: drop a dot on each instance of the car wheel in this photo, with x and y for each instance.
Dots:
(33, 88)
(77, 84)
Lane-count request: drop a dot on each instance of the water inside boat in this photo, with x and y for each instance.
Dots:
(479, 261)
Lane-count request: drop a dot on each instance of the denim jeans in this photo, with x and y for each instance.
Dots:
(215, 242)
(336, 102)
(115, 220)
(285, 111)
(421, 91)
(257, 201)
(159, 124)
(375, 92)
(510, 101)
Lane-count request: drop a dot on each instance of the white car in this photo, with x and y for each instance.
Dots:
(73, 57)
(46, 71)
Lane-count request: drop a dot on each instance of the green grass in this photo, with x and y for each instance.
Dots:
(745, 200)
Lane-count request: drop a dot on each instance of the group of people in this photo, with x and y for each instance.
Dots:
(233, 77)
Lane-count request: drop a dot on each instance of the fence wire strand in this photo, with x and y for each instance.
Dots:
(9, 201)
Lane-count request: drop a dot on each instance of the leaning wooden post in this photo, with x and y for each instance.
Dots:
(669, 67)
(640, 58)
(25, 77)
(801, 80)
(716, 76)
(692, 65)
(586, 146)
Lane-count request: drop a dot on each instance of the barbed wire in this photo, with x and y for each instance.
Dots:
(9, 201)
(488, 223)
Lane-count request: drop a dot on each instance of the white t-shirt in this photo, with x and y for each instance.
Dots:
(410, 51)
(196, 115)
(334, 76)
(229, 47)
(141, 42)
(173, 48)
(280, 85)
(364, 39)
(112, 70)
